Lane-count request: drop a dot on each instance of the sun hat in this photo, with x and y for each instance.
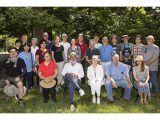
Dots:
(139, 57)
(10, 90)
(48, 82)
(73, 53)
(95, 57)
(64, 34)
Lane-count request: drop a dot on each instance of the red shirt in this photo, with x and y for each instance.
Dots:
(40, 53)
(83, 47)
(47, 70)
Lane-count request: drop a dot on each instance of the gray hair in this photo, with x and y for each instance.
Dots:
(35, 39)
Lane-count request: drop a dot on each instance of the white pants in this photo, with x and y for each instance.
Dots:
(60, 68)
(104, 64)
(96, 88)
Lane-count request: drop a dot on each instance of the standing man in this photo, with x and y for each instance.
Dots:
(106, 51)
(15, 71)
(150, 53)
(117, 76)
(137, 49)
(48, 42)
(65, 44)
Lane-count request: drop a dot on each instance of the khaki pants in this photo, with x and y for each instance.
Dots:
(60, 68)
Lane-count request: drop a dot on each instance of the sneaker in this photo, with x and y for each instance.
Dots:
(21, 103)
(81, 92)
(72, 108)
(98, 100)
(24, 91)
(16, 97)
(93, 99)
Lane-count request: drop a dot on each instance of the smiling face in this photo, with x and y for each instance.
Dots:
(150, 40)
(47, 57)
(13, 53)
(45, 36)
(138, 40)
(26, 48)
(114, 40)
(105, 40)
(115, 59)
(73, 41)
(57, 39)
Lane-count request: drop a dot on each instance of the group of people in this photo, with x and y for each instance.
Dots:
(59, 63)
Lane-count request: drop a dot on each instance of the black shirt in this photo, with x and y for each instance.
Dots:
(90, 52)
(58, 53)
(12, 70)
(117, 48)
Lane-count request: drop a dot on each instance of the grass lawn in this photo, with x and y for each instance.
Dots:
(34, 104)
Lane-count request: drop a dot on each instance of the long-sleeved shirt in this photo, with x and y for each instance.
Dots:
(76, 69)
(95, 74)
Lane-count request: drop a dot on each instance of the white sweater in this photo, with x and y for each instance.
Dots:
(97, 75)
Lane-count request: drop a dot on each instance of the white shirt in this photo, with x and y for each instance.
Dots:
(66, 45)
(96, 74)
(33, 51)
(76, 69)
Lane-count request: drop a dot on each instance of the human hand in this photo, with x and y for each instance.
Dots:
(129, 84)
(7, 82)
(114, 84)
(141, 84)
(96, 81)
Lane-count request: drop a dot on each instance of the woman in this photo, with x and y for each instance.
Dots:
(47, 72)
(95, 75)
(141, 76)
(27, 56)
(40, 55)
(59, 57)
(74, 48)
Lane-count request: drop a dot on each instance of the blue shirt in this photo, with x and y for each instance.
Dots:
(117, 73)
(49, 45)
(27, 59)
(106, 53)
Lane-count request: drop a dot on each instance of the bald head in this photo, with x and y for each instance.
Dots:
(115, 58)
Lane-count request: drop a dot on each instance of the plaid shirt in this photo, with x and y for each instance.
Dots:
(137, 50)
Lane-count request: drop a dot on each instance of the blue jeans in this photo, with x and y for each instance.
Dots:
(72, 84)
(153, 80)
(120, 83)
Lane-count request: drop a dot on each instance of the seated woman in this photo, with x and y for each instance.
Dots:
(141, 76)
(95, 75)
(47, 72)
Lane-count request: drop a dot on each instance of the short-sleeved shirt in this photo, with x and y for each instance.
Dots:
(117, 72)
(14, 71)
(66, 45)
(83, 47)
(98, 45)
(137, 50)
(47, 70)
(58, 53)
(40, 53)
(148, 52)
(90, 52)
(106, 53)
(117, 48)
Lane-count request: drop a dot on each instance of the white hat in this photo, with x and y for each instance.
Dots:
(95, 57)
(10, 90)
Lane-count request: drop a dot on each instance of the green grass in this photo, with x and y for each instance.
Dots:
(33, 104)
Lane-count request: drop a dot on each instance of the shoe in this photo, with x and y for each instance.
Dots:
(16, 97)
(98, 100)
(81, 92)
(21, 103)
(24, 91)
(72, 108)
(94, 99)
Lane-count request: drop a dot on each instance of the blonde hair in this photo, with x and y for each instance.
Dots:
(151, 37)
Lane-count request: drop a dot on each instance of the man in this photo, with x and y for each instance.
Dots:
(91, 51)
(106, 52)
(65, 44)
(137, 49)
(73, 72)
(117, 76)
(116, 47)
(96, 39)
(15, 70)
(127, 50)
(48, 42)
(150, 53)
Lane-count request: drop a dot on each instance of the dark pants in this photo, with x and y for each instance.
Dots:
(28, 80)
(72, 84)
(46, 92)
(153, 80)
(84, 65)
(35, 75)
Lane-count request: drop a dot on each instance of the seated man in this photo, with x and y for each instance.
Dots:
(73, 72)
(15, 70)
(117, 76)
